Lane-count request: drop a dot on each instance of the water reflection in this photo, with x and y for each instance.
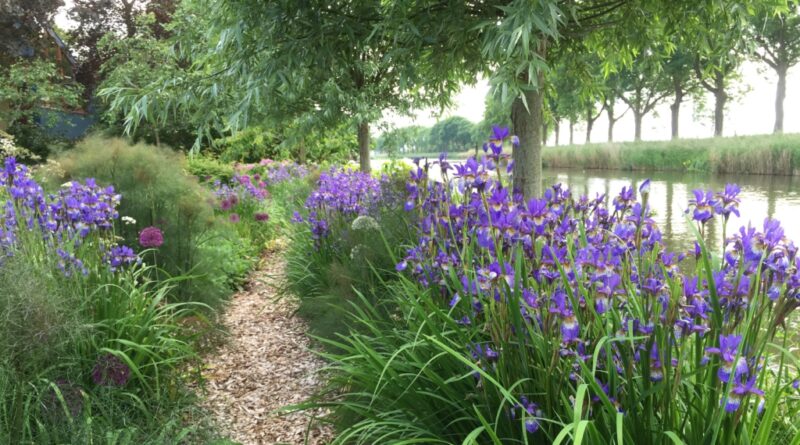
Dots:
(762, 197)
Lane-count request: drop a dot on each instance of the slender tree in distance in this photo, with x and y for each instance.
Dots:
(717, 56)
(777, 43)
(611, 91)
(679, 68)
(643, 86)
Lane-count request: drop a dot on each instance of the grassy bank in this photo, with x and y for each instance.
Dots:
(763, 155)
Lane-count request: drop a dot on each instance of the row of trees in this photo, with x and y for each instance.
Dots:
(692, 66)
(318, 64)
(451, 134)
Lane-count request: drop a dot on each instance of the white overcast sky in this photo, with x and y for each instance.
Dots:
(752, 111)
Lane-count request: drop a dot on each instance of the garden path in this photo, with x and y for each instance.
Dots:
(265, 365)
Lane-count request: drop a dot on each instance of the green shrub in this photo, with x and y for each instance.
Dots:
(209, 169)
(158, 192)
(250, 145)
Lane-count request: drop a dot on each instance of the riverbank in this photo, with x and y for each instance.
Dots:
(754, 155)
(759, 155)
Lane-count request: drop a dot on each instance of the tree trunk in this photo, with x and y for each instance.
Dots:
(571, 131)
(779, 98)
(589, 125)
(637, 125)
(675, 107)
(128, 18)
(557, 130)
(611, 122)
(544, 133)
(527, 123)
(719, 106)
(363, 146)
(158, 136)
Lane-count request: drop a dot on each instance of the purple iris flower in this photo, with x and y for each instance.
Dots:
(740, 391)
(644, 187)
(625, 199)
(728, 201)
(704, 205)
(533, 414)
(727, 351)
(499, 133)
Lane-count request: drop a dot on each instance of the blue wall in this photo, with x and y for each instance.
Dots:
(65, 124)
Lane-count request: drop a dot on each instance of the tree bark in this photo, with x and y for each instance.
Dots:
(780, 96)
(637, 125)
(675, 107)
(363, 146)
(527, 123)
(611, 122)
(128, 17)
(557, 130)
(589, 125)
(571, 131)
(720, 98)
(544, 133)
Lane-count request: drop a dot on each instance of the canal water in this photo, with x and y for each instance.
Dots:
(761, 197)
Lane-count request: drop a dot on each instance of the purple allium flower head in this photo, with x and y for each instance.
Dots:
(234, 218)
(151, 237)
(109, 370)
(261, 217)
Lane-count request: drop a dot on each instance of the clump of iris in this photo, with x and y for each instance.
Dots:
(562, 291)
(73, 224)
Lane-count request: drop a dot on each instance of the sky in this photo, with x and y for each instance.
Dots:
(751, 111)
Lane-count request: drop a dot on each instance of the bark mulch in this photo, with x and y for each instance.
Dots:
(265, 365)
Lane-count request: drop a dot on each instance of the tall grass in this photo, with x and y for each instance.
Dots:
(91, 351)
(157, 191)
(762, 155)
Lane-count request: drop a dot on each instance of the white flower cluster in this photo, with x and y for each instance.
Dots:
(7, 148)
(365, 223)
(358, 252)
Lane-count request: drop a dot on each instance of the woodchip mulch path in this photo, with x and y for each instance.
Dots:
(265, 365)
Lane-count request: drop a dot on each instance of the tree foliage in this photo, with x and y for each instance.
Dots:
(21, 24)
(346, 61)
(411, 139)
(96, 20)
(452, 134)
